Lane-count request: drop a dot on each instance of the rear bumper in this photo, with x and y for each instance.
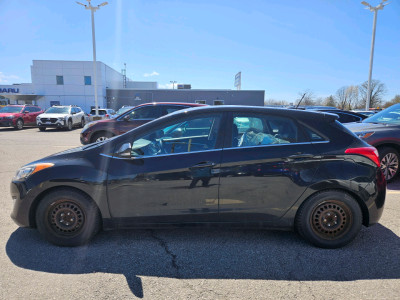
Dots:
(377, 196)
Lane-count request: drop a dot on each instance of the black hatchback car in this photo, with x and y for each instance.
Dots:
(236, 165)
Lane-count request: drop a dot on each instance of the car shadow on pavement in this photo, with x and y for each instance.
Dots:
(214, 253)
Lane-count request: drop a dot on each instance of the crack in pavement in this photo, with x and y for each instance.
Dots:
(164, 244)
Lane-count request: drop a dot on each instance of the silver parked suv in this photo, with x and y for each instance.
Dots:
(61, 117)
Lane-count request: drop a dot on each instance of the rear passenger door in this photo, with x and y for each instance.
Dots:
(267, 163)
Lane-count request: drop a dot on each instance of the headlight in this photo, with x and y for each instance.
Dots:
(24, 172)
(88, 125)
(10, 117)
(61, 118)
(364, 135)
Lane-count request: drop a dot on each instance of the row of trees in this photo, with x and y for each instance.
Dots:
(347, 97)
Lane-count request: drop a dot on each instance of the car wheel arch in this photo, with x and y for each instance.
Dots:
(361, 203)
(35, 203)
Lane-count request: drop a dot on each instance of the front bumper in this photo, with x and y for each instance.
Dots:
(85, 138)
(57, 124)
(6, 123)
(23, 200)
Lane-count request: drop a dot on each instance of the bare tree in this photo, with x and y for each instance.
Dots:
(378, 89)
(330, 101)
(342, 97)
(352, 95)
(394, 101)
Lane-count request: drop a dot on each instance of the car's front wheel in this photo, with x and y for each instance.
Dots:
(69, 125)
(19, 124)
(42, 129)
(67, 218)
(390, 160)
(101, 136)
(329, 219)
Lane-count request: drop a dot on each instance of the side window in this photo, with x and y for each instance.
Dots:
(170, 109)
(78, 110)
(313, 136)
(197, 134)
(254, 130)
(27, 110)
(147, 113)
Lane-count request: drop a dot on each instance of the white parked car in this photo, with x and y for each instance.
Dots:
(61, 117)
(103, 113)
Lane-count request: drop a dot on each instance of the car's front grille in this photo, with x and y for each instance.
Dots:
(45, 120)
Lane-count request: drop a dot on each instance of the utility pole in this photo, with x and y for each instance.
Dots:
(93, 9)
(371, 58)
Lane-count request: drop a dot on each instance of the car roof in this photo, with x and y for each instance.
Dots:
(171, 103)
(294, 113)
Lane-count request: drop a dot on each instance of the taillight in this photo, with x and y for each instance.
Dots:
(107, 115)
(88, 115)
(369, 152)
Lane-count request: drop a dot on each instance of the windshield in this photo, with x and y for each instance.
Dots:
(11, 109)
(58, 110)
(390, 115)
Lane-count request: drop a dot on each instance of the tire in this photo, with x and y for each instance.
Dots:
(390, 159)
(329, 219)
(42, 129)
(19, 124)
(82, 122)
(66, 217)
(101, 136)
(69, 125)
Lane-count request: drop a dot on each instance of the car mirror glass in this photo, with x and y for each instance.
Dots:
(126, 118)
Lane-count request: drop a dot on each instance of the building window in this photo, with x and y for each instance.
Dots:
(60, 80)
(88, 80)
(218, 102)
(200, 101)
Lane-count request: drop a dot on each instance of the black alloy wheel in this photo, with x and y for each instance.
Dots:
(67, 218)
(329, 219)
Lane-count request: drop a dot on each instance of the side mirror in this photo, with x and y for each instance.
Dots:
(126, 118)
(125, 150)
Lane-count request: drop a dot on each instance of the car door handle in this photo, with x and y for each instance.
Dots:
(207, 164)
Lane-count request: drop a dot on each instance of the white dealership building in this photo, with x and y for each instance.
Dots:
(59, 82)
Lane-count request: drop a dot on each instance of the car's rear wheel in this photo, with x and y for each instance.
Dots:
(67, 218)
(390, 160)
(329, 219)
(42, 128)
(19, 124)
(101, 136)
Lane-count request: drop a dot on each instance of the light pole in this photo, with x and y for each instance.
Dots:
(173, 83)
(93, 9)
(371, 59)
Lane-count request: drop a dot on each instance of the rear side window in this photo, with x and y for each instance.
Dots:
(347, 118)
(170, 109)
(313, 136)
(253, 130)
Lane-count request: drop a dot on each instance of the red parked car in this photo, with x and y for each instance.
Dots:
(139, 115)
(18, 116)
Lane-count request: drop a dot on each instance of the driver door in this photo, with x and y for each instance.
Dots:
(168, 174)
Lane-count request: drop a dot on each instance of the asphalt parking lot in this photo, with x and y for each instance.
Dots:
(187, 263)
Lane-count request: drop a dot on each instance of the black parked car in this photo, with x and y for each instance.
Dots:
(237, 165)
(382, 131)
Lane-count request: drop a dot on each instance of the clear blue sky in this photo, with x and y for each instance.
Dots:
(282, 47)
